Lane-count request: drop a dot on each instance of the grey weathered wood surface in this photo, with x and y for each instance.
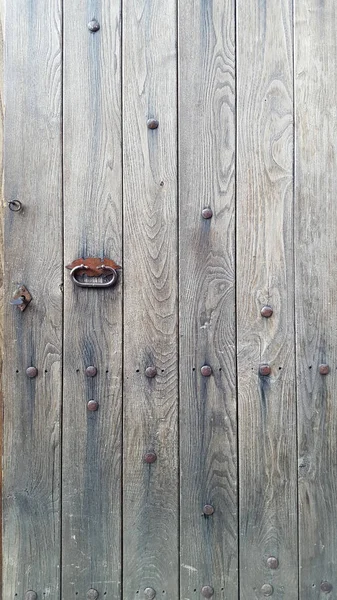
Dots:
(91, 533)
(150, 491)
(267, 405)
(209, 545)
(31, 496)
(316, 308)
(1, 263)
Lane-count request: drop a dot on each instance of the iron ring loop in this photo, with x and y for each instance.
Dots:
(86, 284)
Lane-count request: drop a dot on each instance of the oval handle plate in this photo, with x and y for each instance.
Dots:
(112, 273)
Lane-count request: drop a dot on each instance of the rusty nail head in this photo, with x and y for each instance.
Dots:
(264, 369)
(151, 372)
(324, 369)
(150, 457)
(93, 26)
(326, 587)
(30, 595)
(207, 213)
(31, 372)
(92, 594)
(206, 370)
(91, 371)
(92, 405)
(272, 562)
(207, 591)
(149, 593)
(267, 589)
(208, 509)
(266, 311)
(152, 124)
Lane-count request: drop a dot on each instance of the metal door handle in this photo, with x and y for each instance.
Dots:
(87, 284)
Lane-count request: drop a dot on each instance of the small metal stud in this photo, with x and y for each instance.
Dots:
(152, 124)
(266, 311)
(149, 593)
(30, 595)
(326, 587)
(94, 26)
(92, 594)
(151, 372)
(91, 371)
(207, 591)
(208, 509)
(150, 457)
(31, 372)
(15, 205)
(264, 369)
(206, 371)
(324, 369)
(267, 589)
(92, 405)
(272, 562)
(207, 213)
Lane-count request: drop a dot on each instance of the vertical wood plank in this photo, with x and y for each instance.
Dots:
(33, 257)
(150, 522)
(316, 310)
(267, 403)
(93, 318)
(209, 555)
(3, 205)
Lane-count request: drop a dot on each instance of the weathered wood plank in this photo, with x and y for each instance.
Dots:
(267, 407)
(316, 309)
(93, 318)
(150, 499)
(33, 256)
(1, 263)
(207, 298)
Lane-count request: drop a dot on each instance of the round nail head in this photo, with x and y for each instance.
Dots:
(92, 594)
(93, 26)
(267, 589)
(150, 457)
(31, 372)
(207, 213)
(30, 595)
(272, 562)
(152, 124)
(208, 509)
(266, 311)
(265, 369)
(324, 369)
(150, 372)
(149, 593)
(206, 371)
(91, 371)
(92, 405)
(326, 587)
(207, 591)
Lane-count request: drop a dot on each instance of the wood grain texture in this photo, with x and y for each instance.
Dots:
(1, 263)
(150, 497)
(93, 318)
(33, 256)
(267, 404)
(316, 309)
(209, 545)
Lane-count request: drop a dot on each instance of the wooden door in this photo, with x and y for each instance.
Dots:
(171, 435)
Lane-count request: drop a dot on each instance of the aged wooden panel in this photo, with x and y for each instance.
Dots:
(316, 309)
(207, 298)
(150, 499)
(1, 263)
(33, 256)
(93, 318)
(267, 405)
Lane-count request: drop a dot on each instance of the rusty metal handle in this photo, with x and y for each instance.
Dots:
(87, 284)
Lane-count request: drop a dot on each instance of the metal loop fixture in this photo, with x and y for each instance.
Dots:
(87, 284)
(15, 205)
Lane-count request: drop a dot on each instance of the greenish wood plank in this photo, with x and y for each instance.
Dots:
(316, 309)
(208, 442)
(91, 472)
(265, 276)
(150, 491)
(33, 256)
